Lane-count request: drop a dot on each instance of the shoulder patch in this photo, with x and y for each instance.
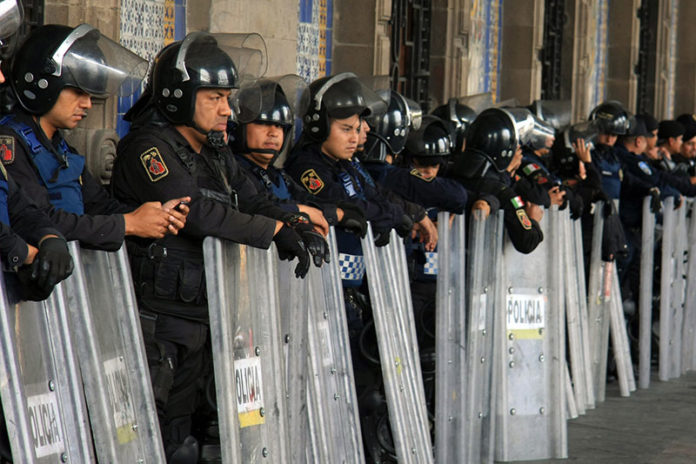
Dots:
(154, 164)
(312, 181)
(524, 219)
(416, 173)
(517, 202)
(7, 149)
(645, 168)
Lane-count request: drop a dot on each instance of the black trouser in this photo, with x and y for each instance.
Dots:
(179, 361)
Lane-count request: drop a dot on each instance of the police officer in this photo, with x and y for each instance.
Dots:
(258, 143)
(183, 149)
(459, 117)
(492, 153)
(612, 120)
(686, 158)
(670, 136)
(30, 245)
(55, 73)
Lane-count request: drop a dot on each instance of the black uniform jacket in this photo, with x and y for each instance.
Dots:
(102, 226)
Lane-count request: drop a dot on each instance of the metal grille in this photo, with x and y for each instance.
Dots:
(410, 54)
(550, 54)
(647, 56)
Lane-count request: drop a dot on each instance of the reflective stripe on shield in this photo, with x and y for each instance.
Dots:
(390, 296)
(40, 383)
(531, 409)
(248, 359)
(106, 327)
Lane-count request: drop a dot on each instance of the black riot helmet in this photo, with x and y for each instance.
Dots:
(493, 138)
(11, 15)
(339, 96)
(611, 118)
(431, 141)
(459, 117)
(195, 63)
(54, 57)
(281, 98)
(388, 130)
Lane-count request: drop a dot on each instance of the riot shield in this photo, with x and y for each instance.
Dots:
(333, 408)
(40, 384)
(689, 337)
(106, 327)
(572, 267)
(450, 342)
(647, 258)
(669, 219)
(293, 319)
(387, 278)
(678, 289)
(582, 308)
(247, 356)
(619, 339)
(531, 408)
(598, 296)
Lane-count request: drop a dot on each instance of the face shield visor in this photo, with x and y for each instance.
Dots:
(97, 65)
(541, 136)
(11, 16)
(586, 130)
(555, 113)
(477, 102)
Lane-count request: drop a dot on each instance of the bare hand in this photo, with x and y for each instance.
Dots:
(148, 221)
(178, 210)
(557, 195)
(582, 151)
(483, 206)
(31, 254)
(427, 233)
(316, 217)
(534, 211)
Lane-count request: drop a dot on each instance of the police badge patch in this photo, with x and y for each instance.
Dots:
(524, 219)
(312, 181)
(154, 164)
(645, 168)
(7, 149)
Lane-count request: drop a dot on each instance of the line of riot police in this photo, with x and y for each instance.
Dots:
(211, 153)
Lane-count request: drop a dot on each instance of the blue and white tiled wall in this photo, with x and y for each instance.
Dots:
(314, 34)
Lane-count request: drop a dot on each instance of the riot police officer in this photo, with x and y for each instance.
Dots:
(179, 146)
(55, 73)
(492, 153)
(261, 136)
(459, 117)
(612, 120)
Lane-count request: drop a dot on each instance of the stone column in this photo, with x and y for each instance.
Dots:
(623, 42)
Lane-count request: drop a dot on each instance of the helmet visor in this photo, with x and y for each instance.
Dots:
(586, 130)
(248, 51)
(541, 136)
(98, 65)
(278, 99)
(478, 102)
(554, 112)
(10, 17)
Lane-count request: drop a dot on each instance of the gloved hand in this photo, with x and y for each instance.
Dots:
(404, 227)
(354, 220)
(52, 263)
(313, 242)
(381, 237)
(290, 245)
(655, 201)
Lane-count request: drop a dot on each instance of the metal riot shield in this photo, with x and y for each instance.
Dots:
(106, 327)
(689, 337)
(40, 384)
(293, 319)
(531, 408)
(667, 277)
(484, 272)
(582, 309)
(571, 267)
(451, 442)
(647, 258)
(387, 278)
(598, 296)
(247, 356)
(333, 407)
(679, 289)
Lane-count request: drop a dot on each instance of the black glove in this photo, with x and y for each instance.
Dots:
(317, 247)
(655, 201)
(299, 222)
(290, 245)
(52, 263)
(404, 227)
(613, 239)
(382, 237)
(354, 220)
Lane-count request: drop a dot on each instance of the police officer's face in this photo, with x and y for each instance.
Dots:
(428, 172)
(212, 109)
(674, 144)
(344, 135)
(607, 139)
(652, 139)
(688, 148)
(268, 136)
(364, 129)
(70, 108)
